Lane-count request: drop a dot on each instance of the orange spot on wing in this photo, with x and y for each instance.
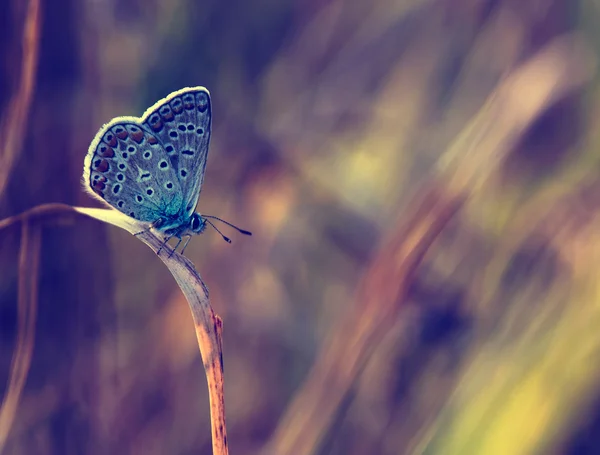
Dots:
(137, 136)
(105, 151)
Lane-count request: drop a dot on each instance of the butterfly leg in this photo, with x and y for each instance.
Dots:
(142, 232)
(175, 248)
(189, 237)
(167, 238)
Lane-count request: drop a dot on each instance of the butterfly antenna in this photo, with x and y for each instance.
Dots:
(227, 239)
(242, 231)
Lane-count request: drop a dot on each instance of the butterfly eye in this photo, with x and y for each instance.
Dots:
(195, 223)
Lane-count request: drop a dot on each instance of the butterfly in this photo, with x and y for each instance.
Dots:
(152, 168)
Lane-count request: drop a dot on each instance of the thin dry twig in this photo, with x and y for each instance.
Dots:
(208, 324)
(26, 316)
(13, 124)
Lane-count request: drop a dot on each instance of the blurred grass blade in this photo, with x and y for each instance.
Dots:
(12, 127)
(379, 298)
(29, 257)
(562, 66)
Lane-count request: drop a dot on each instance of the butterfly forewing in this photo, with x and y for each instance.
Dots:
(129, 169)
(182, 122)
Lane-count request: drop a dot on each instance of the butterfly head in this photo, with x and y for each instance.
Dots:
(197, 224)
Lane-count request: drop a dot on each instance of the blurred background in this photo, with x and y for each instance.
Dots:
(329, 118)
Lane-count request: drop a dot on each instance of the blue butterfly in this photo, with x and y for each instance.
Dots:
(152, 168)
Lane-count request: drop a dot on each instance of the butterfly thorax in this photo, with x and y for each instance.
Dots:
(181, 226)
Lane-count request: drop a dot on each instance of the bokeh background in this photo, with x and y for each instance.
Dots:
(329, 119)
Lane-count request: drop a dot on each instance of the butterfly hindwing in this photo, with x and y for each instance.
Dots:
(129, 169)
(182, 122)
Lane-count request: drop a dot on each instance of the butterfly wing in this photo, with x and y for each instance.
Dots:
(128, 168)
(182, 122)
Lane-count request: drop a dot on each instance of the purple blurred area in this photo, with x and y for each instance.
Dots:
(328, 117)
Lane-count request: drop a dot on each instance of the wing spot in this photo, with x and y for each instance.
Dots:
(176, 105)
(124, 155)
(120, 204)
(188, 101)
(139, 198)
(149, 191)
(181, 127)
(156, 123)
(147, 154)
(98, 186)
(187, 152)
(121, 132)
(173, 134)
(169, 185)
(120, 177)
(106, 152)
(183, 173)
(136, 134)
(116, 188)
(163, 164)
(202, 101)
(169, 149)
(131, 149)
(101, 165)
(166, 113)
(145, 176)
(122, 166)
(132, 215)
(190, 127)
(199, 131)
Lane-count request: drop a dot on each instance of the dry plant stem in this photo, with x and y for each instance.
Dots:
(207, 324)
(209, 328)
(379, 298)
(26, 317)
(12, 128)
